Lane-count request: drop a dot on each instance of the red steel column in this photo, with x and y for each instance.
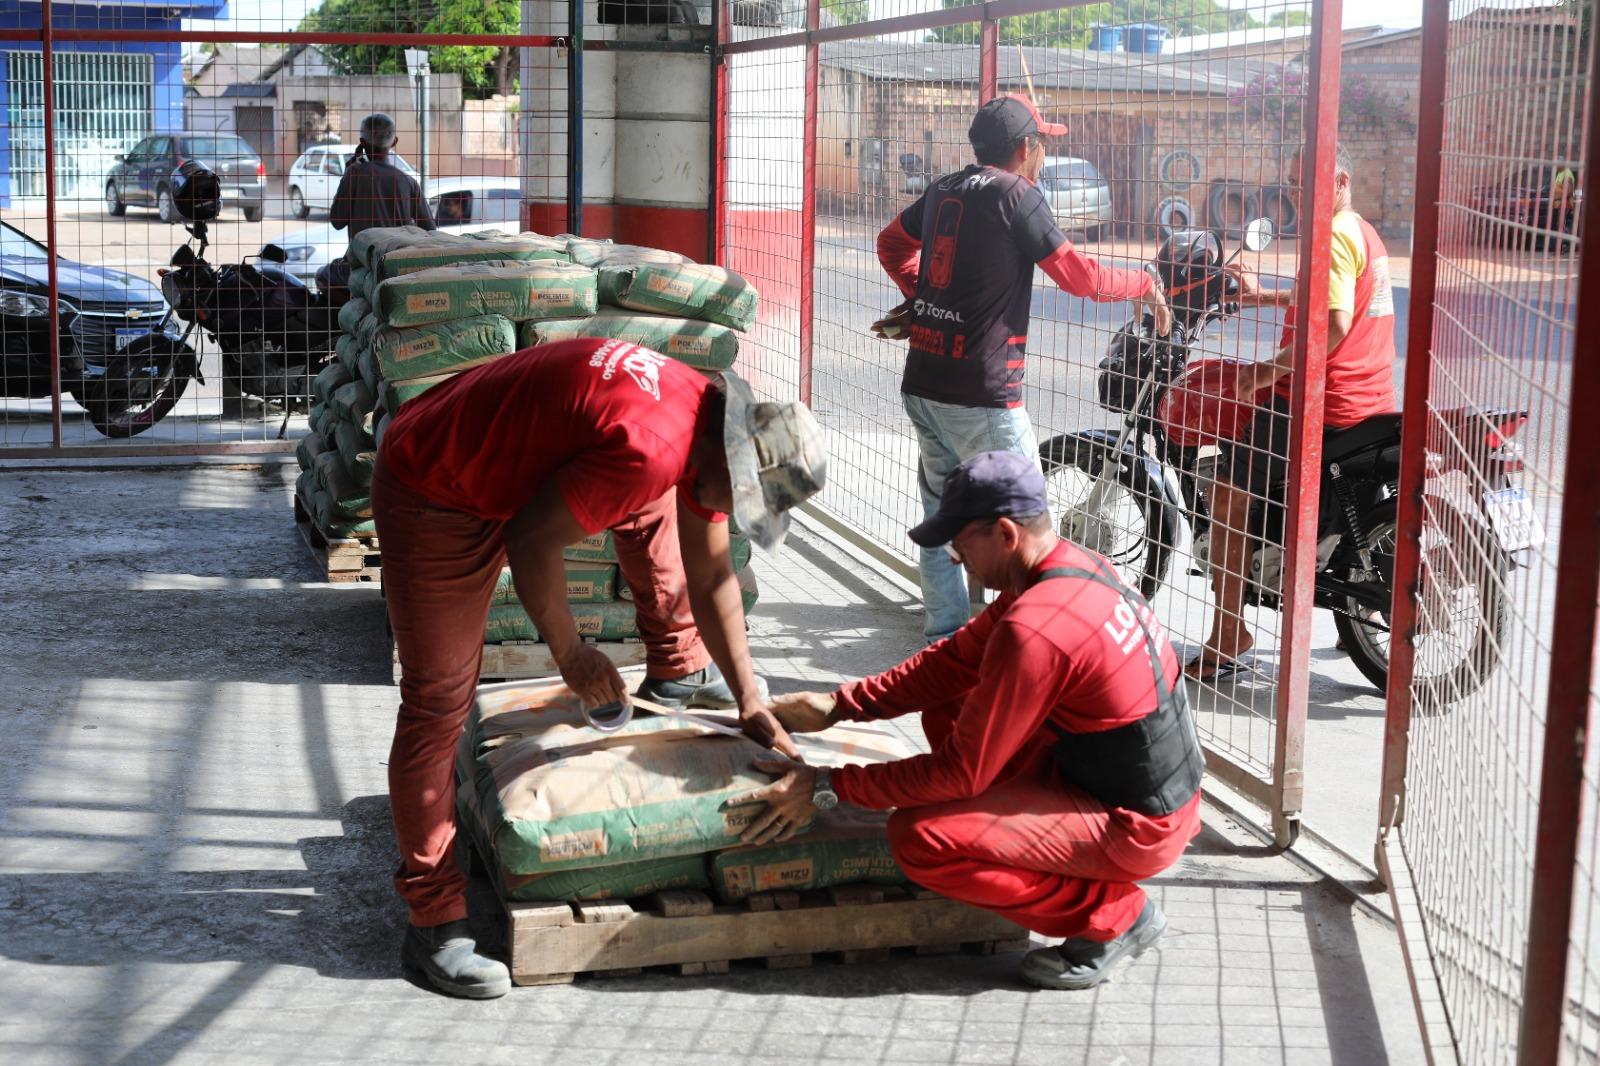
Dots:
(1321, 120)
(1572, 651)
(48, 46)
(988, 59)
(1414, 438)
(808, 204)
(717, 185)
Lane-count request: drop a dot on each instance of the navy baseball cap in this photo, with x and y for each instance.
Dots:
(989, 485)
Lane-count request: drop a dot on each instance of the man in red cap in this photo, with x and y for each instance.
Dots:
(963, 254)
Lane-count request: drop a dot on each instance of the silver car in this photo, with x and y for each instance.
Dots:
(1079, 196)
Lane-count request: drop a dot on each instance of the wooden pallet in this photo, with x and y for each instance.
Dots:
(524, 660)
(341, 560)
(687, 932)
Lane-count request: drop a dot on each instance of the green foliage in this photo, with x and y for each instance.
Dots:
(845, 12)
(1290, 17)
(483, 70)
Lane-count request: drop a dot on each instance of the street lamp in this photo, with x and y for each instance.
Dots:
(417, 67)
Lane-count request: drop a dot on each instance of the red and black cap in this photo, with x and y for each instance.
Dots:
(1001, 124)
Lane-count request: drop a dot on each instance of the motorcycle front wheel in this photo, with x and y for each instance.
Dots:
(1461, 611)
(135, 387)
(1133, 525)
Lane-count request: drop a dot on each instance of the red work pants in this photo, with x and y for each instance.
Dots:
(439, 571)
(1032, 849)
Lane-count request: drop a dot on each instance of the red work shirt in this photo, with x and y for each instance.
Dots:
(1065, 651)
(610, 421)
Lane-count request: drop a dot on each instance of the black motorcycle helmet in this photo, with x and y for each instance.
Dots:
(196, 192)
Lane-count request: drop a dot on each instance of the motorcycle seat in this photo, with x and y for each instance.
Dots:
(1368, 433)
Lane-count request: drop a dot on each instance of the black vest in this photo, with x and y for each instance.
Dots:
(1152, 766)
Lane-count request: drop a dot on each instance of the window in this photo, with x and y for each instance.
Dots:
(503, 205)
(217, 148)
(332, 164)
(14, 244)
(453, 208)
(142, 151)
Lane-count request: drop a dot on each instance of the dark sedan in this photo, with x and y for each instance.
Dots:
(1541, 203)
(102, 311)
(143, 176)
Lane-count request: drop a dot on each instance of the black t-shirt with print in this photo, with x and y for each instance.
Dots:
(982, 230)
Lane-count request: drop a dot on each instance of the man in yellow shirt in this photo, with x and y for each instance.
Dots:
(1358, 382)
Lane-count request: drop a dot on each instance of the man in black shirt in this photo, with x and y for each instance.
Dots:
(964, 254)
(373, 192)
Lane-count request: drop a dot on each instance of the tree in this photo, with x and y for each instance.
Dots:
(483, 69)
(1287, 18)
(845, 12)
(1069, 27)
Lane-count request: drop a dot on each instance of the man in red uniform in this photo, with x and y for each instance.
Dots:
(1065, 766)
(1358, 383)
(514, 461)
(964, 254)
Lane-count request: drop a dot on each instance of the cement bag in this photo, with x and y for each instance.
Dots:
(424, 351)
(549, 793)
(622, 881)
(351, 314)
(317, 417)
(352, 401)
(519, 291)
(331, 377)
(702, 345)
(845, 845)
(305, 487)
(396, 394)
(448, 249)
(360, 285)
(380, 239)
(367, 370)
(305, 453)
(357, 449)
(381, 428)
(595, 548)
(615, 620)
(333, 522)
(349, 497)
(366, 330)
(689, 290)
(592, 253)
(347, 352)
(586, 583)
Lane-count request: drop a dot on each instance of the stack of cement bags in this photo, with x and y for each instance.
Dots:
(568, 813)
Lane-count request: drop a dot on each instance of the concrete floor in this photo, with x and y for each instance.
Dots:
(197, 844)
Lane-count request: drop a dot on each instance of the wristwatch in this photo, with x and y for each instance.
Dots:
(823, 797)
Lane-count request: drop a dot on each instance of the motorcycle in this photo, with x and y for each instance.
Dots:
(1138, 494)
(273, 331)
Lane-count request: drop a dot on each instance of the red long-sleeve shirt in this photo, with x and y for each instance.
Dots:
(1065, 651)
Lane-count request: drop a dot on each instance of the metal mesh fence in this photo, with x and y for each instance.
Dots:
(185, 355)
(1499, 410)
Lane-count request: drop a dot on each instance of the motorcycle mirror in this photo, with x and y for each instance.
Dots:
(273, 254)
(183, 257)
(1259, 235)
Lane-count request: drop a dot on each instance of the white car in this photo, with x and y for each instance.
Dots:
(1079, 195)
(314, 178)
(459, 205)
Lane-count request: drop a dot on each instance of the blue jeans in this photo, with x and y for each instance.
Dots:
(947, 435)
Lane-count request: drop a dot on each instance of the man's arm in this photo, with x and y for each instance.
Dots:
(901, 255)
(534, 540)
(719, 613)
(1254, 377)
(339, 211)
(424, 216)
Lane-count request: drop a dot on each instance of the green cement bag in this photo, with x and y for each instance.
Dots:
(549, 793)
(593, 253)
(333, 522)
(595, 548)
(305, 487)
(360, 286)
(702, 345)
(451, 249)
(845, 845)
(311, 445)
(351, 498)
(351, 314)
(357, 449)
(426, 351)
(368, 371)
(622, 881)
(317, 418)
(366, 330)
(396, 394)
(536, 289)
(378, 239)
(617, 620)
(352, 401)
(346, 352)
(381, 428)
(688, 290)
(331, 377)
(586, 583)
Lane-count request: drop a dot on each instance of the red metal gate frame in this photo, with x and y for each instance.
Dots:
(47, 36)
(1282, 794)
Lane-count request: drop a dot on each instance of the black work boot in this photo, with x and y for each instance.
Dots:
(446, 957)
(703, 688)
(1078, 964)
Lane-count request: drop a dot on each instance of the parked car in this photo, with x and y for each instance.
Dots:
(1079, 196)
(314, 178)
(1527, 197)
(102, 312)
(142, 176)
(459, 205)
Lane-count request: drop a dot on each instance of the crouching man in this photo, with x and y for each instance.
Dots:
(1065, 766)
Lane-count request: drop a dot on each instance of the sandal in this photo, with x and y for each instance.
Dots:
(1208, 670)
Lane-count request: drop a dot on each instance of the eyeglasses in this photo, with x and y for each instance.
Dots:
(955, 552)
